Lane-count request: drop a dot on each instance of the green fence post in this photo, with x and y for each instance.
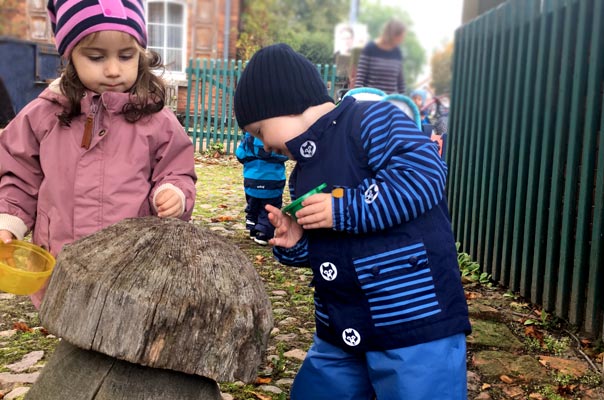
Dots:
(532, 121)
(205, 94)
(591, 102)
(494, 22)
(196, 117)
(515, 192)
(230, 91)
(552, 254)
(189, 85)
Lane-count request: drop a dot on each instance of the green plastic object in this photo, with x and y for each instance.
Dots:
(296, 205)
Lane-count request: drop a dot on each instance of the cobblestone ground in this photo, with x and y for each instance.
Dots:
(514, 352)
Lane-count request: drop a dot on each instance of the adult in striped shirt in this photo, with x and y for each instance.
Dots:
(381, 62)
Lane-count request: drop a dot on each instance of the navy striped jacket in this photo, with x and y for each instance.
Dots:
(386, 276)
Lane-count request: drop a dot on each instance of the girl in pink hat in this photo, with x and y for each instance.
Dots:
(97, 145)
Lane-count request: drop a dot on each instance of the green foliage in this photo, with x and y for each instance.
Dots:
(306, 25)
(471, 269)
(546, 321)
(442, 69)
(214, 149)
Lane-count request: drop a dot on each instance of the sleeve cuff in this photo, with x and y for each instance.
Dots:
(14, 225)
(176, 189)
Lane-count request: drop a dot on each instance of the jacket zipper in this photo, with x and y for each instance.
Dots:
(90, 125)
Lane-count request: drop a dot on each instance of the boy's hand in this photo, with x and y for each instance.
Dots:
(168, 204)
(287, 231)
(316, 212)
(6, 236)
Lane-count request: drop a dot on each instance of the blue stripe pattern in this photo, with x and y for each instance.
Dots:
(320, 314)
(398, 285)
(409, 177)
(296, 256)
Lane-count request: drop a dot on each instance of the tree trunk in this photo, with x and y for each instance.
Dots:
(76, 374)
(161, 293)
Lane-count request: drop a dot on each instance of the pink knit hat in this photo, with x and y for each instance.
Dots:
(72, 20)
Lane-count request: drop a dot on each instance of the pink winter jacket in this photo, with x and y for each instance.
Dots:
(51, 184)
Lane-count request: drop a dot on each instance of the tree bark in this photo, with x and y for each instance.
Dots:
(76, 374)
(161, 293)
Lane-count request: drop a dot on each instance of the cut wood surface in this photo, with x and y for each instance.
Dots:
(161, 293)
(76, 374)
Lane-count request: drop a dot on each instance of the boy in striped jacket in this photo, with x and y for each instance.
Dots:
(390, 310)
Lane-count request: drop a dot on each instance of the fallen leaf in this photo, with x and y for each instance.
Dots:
(261, 381)
(222, 218)
(506, 379)
(533, 332)
(261, 396)
(21, 326)
(222, 206)
(472, 295)
(485, 386)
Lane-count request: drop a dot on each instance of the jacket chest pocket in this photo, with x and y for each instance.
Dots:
(398, 284)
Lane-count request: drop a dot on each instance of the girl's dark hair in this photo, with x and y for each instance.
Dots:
(147, 95)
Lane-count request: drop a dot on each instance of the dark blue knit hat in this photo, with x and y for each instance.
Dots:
(277, 81)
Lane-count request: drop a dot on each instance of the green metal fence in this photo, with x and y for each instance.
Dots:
(209, 115)
(526, 154)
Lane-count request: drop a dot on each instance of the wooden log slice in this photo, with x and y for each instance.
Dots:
(161, 293)
(76, 374)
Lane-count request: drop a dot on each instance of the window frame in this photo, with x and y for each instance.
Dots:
(174, 74)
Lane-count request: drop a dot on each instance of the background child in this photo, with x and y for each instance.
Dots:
(97, 146)
(390, 310)
(263, 182)
(419, 98)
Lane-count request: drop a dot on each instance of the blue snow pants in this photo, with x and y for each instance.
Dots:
(428, 371)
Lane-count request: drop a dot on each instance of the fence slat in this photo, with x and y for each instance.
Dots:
(542, 270)
(552, 258)
(518, 276)
(567, 273)
(535, 114)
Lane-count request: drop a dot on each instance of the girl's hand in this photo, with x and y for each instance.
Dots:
(316, 212)
(6, 236)
(287, 231)
(168, 204)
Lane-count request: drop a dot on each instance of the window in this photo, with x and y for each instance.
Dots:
(166, 25)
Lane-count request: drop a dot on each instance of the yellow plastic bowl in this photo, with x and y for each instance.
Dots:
(24, 267)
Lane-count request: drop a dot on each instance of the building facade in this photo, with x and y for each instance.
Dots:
(178, 30)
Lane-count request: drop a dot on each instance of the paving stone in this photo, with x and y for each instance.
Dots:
(285, 382)
(17, 392)
(28, 361)
(494, 364)
(296, 354)
(226, 396)
(493, 334)
(270, 389)
(565, 366)
(6, 377)
(8, 333)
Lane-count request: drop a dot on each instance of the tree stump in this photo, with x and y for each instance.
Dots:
(164, 294)
(77, 374)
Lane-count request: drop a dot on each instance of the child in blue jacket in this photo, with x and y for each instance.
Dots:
(263, 182)
(390, 311)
